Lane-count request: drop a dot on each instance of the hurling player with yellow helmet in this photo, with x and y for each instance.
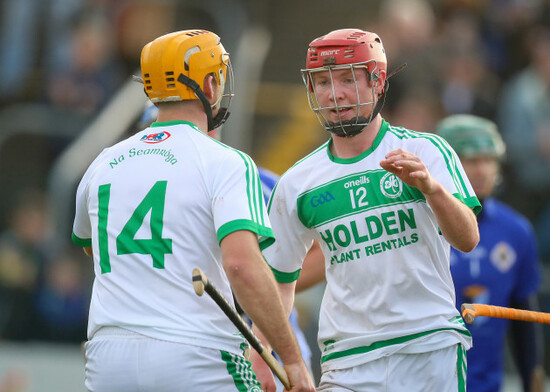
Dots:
(151, 209)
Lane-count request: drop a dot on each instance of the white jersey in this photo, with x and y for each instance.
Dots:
(153, 207)
(389, 287)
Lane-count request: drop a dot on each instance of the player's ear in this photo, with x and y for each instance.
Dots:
(380, 83)
(211, 88)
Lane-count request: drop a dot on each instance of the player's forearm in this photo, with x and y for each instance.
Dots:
(313, 269)
(457, 222)
(257, 293)
(286, 290)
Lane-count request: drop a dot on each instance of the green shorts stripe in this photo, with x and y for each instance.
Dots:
(461, 367)
(241, 372)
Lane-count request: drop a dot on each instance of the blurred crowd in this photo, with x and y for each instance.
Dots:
(41, 297)
(63, 59)
(61, 62)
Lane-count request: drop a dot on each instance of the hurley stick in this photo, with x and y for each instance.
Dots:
(202, 284)
(471, 311)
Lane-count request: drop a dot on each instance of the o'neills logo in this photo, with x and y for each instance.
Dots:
(329, 52)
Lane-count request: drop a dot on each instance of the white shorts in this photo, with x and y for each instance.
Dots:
(435, 371)
(118, 360)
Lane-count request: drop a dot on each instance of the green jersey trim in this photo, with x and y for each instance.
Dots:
(243, 224)
(83, 242)
(387, 343)
(171, 123)
(266, 242)
(285, 277)
(375, 143)
(241, 372)
(253, 189)
(461, 368)
(471, 202)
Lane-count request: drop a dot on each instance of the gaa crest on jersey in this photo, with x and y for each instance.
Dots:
(155, 137)
(391, 186)
(503, 257)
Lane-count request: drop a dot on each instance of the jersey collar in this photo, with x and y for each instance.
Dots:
(171, 123)
(375, 144)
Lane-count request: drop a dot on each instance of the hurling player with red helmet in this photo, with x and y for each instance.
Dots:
(385, 203)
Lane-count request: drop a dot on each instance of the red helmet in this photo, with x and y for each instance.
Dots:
(348, 46)
(350, 49)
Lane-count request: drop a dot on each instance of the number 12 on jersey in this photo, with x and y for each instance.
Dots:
(126, 243)
(357, 197)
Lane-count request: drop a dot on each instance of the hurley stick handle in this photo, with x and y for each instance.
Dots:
(202, 284)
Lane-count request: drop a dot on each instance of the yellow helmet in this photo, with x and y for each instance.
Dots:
(173, 68)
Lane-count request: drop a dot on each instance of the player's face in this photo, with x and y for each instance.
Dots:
(347, 92)
(482, 172)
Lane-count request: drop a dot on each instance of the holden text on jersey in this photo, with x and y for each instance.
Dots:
(368, 229)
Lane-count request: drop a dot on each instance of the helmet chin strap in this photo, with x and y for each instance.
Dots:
(354, 127)
(347, 128)
(222, 115)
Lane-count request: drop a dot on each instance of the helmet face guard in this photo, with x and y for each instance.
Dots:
(174, 67)
(225, 98)
(347, 49)
(350, 127)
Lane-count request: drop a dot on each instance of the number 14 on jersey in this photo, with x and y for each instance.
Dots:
(126, 243)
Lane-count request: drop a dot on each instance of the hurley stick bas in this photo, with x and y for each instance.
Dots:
(471, 311)
(202, 284)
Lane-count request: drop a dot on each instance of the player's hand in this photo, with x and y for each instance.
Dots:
(411, 170)
(263, 372)
(299, 378)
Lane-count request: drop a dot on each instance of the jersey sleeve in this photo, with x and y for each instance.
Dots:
(286, 253)
(445, 166)
(82, 229)
(528, 275)
(237, 200)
